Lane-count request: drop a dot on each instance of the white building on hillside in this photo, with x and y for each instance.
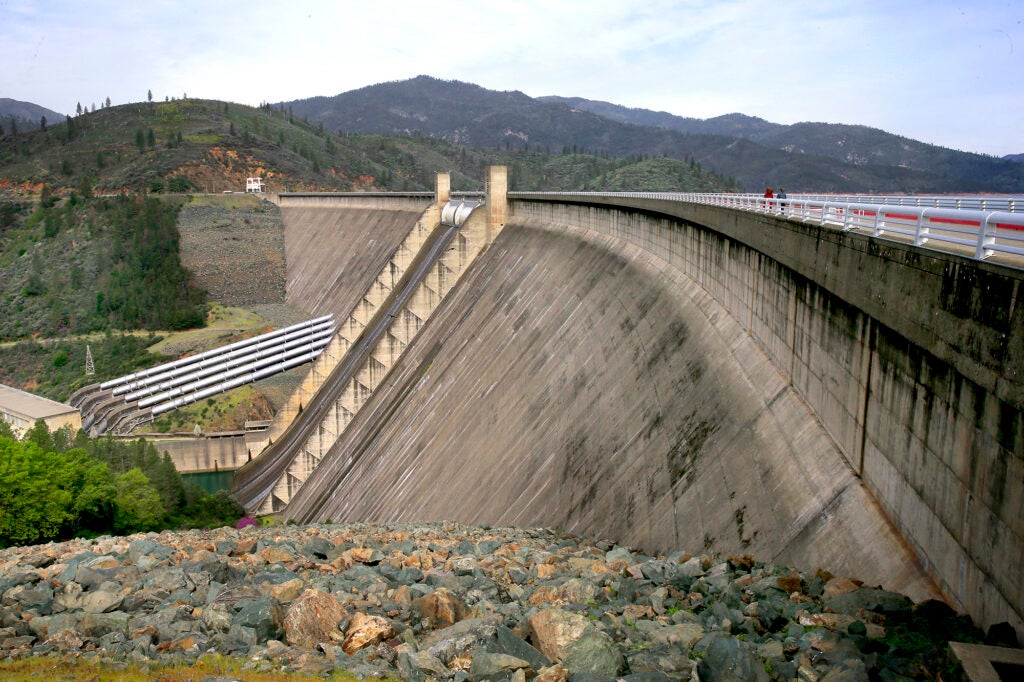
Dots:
(21, 410)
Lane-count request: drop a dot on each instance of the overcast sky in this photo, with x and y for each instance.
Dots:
(948, 73)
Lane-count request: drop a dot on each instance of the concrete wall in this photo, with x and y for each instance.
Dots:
(389, 201)
(335, 248)
(912, 360)
(573, 379)
(332, 255)
(764, 386)
(197, 454)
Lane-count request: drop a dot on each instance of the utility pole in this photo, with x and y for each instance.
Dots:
(90, 367)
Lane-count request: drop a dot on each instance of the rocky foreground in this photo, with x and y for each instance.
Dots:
(444, 601)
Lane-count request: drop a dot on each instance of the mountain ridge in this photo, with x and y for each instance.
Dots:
(24, 115)
(803, 157)
(472, 123)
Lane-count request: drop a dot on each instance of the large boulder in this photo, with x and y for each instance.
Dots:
(313, 618)
(365, 630)
(570, 639)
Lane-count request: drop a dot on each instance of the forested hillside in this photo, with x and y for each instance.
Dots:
(93, 264)
(205, 146)
(85, 246)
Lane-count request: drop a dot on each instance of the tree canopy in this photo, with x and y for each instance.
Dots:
(59, 485)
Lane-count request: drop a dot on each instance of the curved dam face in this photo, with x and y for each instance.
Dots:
(334, 252)
(575, 380)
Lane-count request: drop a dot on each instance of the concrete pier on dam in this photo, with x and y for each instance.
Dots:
(674, 375)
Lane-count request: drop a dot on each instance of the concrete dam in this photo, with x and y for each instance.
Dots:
(671, 375)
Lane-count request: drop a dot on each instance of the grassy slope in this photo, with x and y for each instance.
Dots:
(209, 667)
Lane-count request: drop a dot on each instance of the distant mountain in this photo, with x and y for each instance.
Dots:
(853, 144)
(804, 157)
(25, 115)
(1019, 158)
(730, 125)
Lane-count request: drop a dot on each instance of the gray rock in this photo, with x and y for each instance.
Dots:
(188, 592)
(42, 626)
(102, 601)
(682, 635)
(464, 636)
(488, 666)
(243, 635)
(38, 597)
(216, 619)
(417, 664)
(666, 659)
(593, 652)
(619, 554)
(264, 616)
(140, 548)
(658, 570)
(507, 642)
(869, 599)
(169, 579)
(727, 659)
(692, 568)
(316, 548)
(98, 625)
(849, 670)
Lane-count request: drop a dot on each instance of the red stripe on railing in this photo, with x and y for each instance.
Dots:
(1009, 226)
(956, 221)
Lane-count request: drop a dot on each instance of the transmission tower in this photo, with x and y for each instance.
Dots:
(90, 367)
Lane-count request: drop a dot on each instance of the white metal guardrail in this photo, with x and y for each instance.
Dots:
(987, 225)
(1006, 203)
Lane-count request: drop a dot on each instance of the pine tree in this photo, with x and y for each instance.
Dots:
(149, 95)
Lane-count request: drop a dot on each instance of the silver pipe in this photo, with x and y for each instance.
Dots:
(243, 356)
(231, 372)
(256, 342)
(210, 353)
(235, 383)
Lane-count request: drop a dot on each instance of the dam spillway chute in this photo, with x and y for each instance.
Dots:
(457, 211)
